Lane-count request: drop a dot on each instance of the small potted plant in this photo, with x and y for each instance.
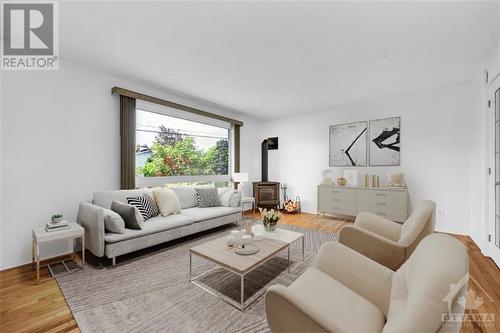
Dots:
(56, 218)
(270, 218)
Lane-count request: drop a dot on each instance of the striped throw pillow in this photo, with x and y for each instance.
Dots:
(146, 206)
(208, 197)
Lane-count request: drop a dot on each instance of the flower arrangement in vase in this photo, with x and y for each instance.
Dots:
(270, 218)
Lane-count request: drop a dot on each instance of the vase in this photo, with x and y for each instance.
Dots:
(270, 225)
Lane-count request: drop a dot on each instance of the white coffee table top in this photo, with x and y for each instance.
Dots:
(75, 230)
(219, 252)
(286, 236)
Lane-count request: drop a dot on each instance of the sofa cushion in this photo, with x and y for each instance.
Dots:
(145, 204)
(234, 199)
(151, 226)
(187, 196)
(338, 308)
(104, 199)
(224, 195)
(201, 214)
(113, 222)
(207, 197)
(167, 201)
(130, 214)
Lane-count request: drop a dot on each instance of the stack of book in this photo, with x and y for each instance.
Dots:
(51, 226)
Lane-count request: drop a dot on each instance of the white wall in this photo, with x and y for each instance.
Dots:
(436, 142)
(60, 142)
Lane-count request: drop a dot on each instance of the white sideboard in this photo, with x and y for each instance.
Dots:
(389, 202)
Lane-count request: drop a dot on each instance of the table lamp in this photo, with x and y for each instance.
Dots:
(240, 177)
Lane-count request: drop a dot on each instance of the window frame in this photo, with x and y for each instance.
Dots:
(142, 181)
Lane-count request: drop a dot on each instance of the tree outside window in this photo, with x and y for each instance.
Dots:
(168, 146)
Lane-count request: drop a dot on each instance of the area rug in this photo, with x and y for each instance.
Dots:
(150, 291)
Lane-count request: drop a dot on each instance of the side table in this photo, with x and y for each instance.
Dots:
(245, 200)
(41, 236)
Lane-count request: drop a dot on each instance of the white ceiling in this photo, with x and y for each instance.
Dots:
(271, 59)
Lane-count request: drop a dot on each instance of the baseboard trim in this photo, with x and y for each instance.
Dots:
(42, 262)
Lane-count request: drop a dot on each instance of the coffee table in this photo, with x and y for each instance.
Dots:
(218, 252)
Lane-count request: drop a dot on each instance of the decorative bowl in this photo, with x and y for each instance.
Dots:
(342, 181)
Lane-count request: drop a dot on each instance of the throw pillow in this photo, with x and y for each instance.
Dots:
(207, 197)
(225, 194)
(167, 201)
(130, 214)
(113, 222)
(145, 204)
(186, 195)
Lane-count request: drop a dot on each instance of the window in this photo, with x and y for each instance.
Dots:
(171, 149)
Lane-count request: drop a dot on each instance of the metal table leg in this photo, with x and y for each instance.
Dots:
(288, 258)
(303, 246)
(33, 254)
(242, 291)
(37, 249)
(83, 251)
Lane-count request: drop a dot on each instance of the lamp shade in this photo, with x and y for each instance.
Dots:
(240, 177)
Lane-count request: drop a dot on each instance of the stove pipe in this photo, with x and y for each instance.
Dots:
(264, 161)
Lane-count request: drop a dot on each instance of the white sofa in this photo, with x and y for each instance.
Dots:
(156, 230)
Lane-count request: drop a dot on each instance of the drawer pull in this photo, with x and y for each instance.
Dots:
(335, 199)
(337, 192)
(380, 194)
(380, 213)
(381, 203)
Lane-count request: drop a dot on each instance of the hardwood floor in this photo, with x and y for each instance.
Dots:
(29, 307)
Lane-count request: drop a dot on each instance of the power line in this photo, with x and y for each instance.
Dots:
(184, 134)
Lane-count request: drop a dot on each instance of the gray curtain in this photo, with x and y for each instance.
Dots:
(236, 168)
(127, 142)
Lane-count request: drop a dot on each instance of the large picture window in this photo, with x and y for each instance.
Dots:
(172, 150)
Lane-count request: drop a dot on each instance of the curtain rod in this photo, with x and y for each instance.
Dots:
(143, 97)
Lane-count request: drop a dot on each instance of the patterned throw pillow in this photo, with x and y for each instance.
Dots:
(130, 215)
(208, 197)
(146, 206)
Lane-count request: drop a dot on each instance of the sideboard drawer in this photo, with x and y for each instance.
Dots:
(340, 210)
(339, 193)
(389, 204)
(337, 201)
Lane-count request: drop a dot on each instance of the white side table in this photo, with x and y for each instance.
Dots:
(40, 236)
(245, 200)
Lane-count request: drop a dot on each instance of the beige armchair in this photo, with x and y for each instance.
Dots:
(347, 292)
(387, 242)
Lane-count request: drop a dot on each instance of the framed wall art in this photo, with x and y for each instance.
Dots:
(348, 145)
(385, 142)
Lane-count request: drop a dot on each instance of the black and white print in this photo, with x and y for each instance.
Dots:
(348, 144)
(208, 197)
(385, 141)
(146, 206)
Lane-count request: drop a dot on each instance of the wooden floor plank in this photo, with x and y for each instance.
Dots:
(29, 307)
